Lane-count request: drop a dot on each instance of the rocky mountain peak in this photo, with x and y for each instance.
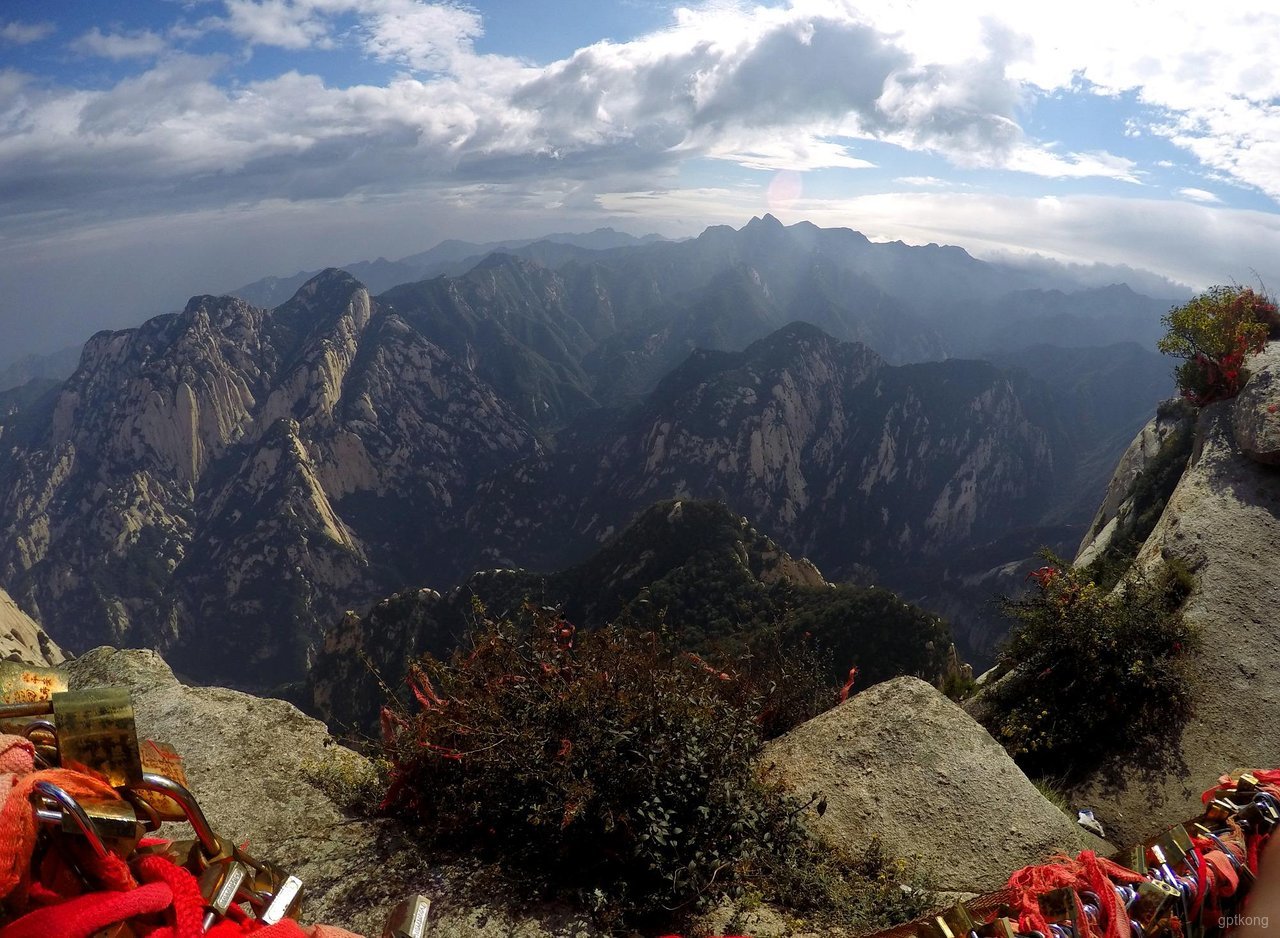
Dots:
(767, 222)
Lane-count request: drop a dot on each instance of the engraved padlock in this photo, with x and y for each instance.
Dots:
(96, 729)
(161, 759)
(219, 885)
(285, 902)
(408, 919)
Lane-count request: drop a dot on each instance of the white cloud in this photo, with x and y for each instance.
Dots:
(1208, 74)
(135, 45)
(1041, 161)
(282, 23)
(18, 33)
(779, 88)
(1198, 195)
(924, 182)
(797, 152)
(767, 88)
(423, 36)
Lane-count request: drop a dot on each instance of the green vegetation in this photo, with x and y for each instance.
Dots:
(721, 587)
(353, 783)
(1093, 674)
(692, 570)
(1053, 794)
(611, 767)
(1213, 333)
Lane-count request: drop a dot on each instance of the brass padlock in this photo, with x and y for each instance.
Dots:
(1154, 903)
(26, 684)
(958, 920)
(999, 927)
(162, 759)
(96, 729)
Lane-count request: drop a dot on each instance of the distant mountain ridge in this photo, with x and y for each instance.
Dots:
(52, 367)
(449, 256)
(268, 469)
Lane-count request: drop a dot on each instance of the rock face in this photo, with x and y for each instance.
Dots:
(1116, 513)
(249, 761)
(1223, 523)
(254, 472)
(901, 762)
(1255, 415)
(843, 458)
(22, 639)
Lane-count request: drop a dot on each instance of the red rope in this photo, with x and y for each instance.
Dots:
(18, 833)
(84, 915)
(188, 903)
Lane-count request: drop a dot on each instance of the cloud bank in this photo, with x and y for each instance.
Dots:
(191, 126)
(768, 88)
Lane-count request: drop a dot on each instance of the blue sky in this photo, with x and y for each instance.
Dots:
(152, 150)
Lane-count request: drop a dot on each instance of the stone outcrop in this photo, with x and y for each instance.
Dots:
(1223, 523)
(901, 762)
(22, 639)
(1255, 415)
(1114, 514)
(252, 764)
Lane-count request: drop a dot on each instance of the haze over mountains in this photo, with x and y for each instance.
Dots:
(223, 483)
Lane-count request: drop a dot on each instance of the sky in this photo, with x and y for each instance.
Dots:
(155, 149)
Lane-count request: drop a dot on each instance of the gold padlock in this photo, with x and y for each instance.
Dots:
(96, 730)
(26, 691)
(162, 759)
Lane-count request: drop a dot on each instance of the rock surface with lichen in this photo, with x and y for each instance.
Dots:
(902, 763)
(22, 639)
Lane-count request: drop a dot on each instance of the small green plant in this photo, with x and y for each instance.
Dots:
(1053, 794)
(353, 783)
(608, 766)
(1093, 674)
(1213, 333)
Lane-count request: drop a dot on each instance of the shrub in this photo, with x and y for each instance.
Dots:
(785, 679)
(1093, 674)
(1213, 333)
(607, 766)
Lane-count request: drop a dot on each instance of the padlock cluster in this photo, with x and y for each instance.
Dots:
(96, 799)
(1189, 882)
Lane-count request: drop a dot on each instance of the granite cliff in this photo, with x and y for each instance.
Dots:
(254, 471)
(1222, 522)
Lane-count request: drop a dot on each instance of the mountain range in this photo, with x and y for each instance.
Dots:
(226, 482)
(449, 256)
